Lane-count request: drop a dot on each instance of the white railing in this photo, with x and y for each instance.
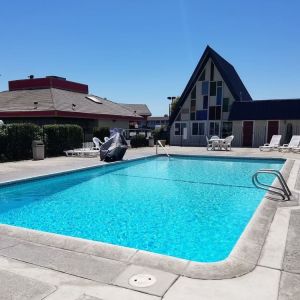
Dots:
(161, 145)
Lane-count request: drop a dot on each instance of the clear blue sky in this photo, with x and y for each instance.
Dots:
(141, 51)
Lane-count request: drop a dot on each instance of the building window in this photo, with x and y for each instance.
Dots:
(214, 128)
(215, 113)
(179, 128)
(219, 95)
(213, 88)
(202, 76)
(193, 94)
(205, 102)
(193, 105)
(225, 107)
(198, 128)
(205, 87)
(193, 110)
(212, 71)
(226, 129)
(201, 115)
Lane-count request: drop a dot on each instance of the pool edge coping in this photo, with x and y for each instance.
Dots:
(243, 258)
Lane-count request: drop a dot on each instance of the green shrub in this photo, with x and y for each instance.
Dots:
(161, 134)
(16, 140)
(101, 133)
(138, 141)
(62, 137)
(3, 144)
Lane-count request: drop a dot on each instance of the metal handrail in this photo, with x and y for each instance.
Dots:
(159, 143)
(284, 192)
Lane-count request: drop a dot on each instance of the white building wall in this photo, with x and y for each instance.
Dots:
(259, 133)
(237, 131)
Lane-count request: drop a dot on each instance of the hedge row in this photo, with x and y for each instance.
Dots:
(138, 141)
(58, 138)
(16, 139)
(101, 133)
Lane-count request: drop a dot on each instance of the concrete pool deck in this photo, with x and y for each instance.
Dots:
(32, 270)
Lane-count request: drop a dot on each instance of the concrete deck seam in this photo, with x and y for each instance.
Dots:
(290, 272)
(56, 289)
(171, 286)
(10, 246)
(267, 267)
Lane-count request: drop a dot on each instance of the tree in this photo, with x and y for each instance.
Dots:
(174, 104)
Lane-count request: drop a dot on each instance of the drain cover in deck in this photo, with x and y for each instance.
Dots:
(142, 280)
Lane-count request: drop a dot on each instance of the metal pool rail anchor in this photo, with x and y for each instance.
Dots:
(284, 192)
(160, 144)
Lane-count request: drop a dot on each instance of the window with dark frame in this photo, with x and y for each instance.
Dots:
(225, 107)
(212, 71)
(179, 128)
(205, 85)
(202, 76)
(205, 102)
(213, 88)
(214, 128)
(198, 128)
(193, 110)
(226, 129)
(215, 113)
(195, 129)
(194, 93)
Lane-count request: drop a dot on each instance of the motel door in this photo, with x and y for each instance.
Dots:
(247, 133)
(272, 129)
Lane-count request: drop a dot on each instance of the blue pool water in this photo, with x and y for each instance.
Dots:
(188, 207)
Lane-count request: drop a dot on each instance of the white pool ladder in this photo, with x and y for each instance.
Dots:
(283, 191)
(161, 145)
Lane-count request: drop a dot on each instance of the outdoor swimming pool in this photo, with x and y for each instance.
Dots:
(189, 207)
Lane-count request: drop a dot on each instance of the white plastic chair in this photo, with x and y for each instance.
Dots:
(97, 143)
(274, 143)
(227, 142)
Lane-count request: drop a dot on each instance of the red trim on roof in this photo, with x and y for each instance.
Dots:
(48, 82)
(66, 114)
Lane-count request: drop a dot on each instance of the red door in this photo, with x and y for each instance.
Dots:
(272, 129)
(247, 133)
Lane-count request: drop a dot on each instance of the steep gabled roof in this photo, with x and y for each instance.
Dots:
(280, 109)
(228, 73)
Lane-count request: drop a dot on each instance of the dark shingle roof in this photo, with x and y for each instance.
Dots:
(227, 71)
(281, 109)
(59, 100)
(140, 109)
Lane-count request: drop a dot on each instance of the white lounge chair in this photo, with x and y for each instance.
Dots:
(274, 143)
(227, 142)
(87, 150)
(292, 145)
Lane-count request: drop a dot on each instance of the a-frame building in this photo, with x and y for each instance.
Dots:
(204, 106)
